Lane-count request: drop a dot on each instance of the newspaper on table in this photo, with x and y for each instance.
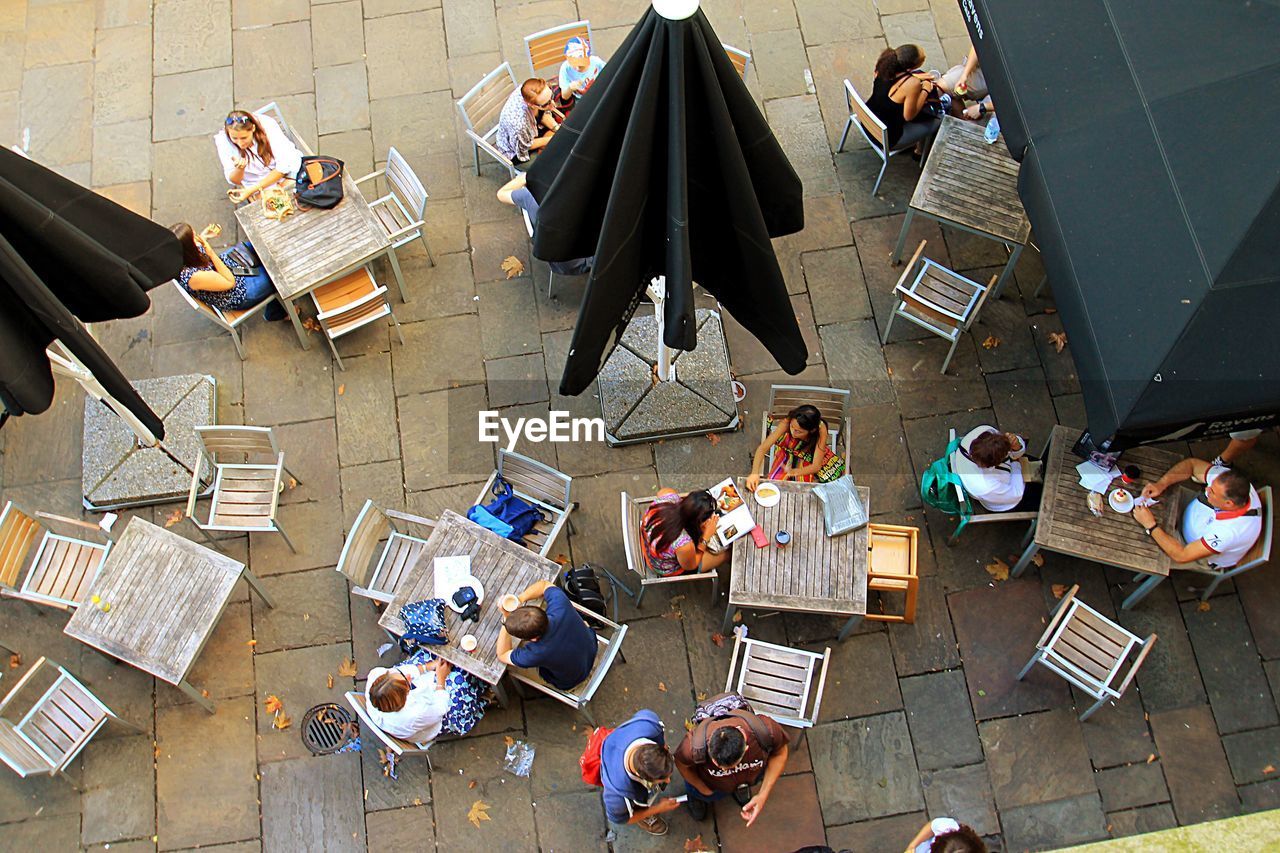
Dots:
(842, 511)
(451, 574)
(735, 518)
(1094, 477)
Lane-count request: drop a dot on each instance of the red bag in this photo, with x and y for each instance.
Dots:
(589, 761)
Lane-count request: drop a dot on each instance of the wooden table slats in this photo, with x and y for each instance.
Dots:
(166, 595)
(815, 573)
(501, 566)
(967, 181)
(1068, 527)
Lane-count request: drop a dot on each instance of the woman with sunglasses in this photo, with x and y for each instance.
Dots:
(255, 153)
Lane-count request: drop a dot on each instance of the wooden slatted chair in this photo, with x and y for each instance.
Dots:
(352, 302)
(1088, 650)
(480, 109)
(873, 130)
(892, 568)
(541, 485)
(971, 513)
(777, 680)
(375, 573)
(272, 110)
(402, 212)
(46, 735)
(399, 746)
(935, 298)
(246, 493)
(610, 647)
(229, 320)
(740, 58)
(633, 510)
(545, 49)
(831, 403)
(56, 569)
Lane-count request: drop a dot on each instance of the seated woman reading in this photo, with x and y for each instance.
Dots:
(990, 470)
(205, 276)
(255, 153)
(423, 697)
(675, 533)
(802, 450)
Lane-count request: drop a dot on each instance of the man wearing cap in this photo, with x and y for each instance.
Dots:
(1219, 526)
(579, 69)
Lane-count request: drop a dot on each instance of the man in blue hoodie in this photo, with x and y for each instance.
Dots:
(635, 767)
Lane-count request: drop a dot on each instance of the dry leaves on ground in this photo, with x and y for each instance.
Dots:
(718, 639)
(1059, 590)
(282, 721)
(1269, 769)
(329, 680)
(562, 559)
(1051, 310)
(1038, 559)
(15, 660)
(1058, 339)
(478, 813)
(342, 389)
(1203, 607)
(272, 704)
(251, 643)
(688, 724)
(662, 686)
(512, 266)
(695, 845)
(173, 518)
(1151, 758)
(714, 438)
(509, 740)
(998, 569)
(991, 342)
(311, 325)
(347, 668)
(471, 786)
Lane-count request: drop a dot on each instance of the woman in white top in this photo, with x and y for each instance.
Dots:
(991, 473)
(946, 835)
(255, 153)
(409, 701)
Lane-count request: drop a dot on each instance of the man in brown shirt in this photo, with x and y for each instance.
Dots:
(729, 754)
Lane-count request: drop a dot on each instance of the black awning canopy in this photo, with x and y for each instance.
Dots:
(1147, 135)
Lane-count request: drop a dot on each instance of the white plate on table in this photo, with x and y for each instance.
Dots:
(1114, 499)
(768, 495)
(472, 582)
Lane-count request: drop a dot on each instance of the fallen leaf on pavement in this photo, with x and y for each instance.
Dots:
(1058, 339)
(512, 267)
(510, 741)
(282, 721)
(714, 438)
(293, 484)
(998, 569)
(982, 693)
(342, 389)
(1038, 558)
(251, 643)
(562, 559)
(1051, 310)
(695, 845)
(347, 668)
(702, 696)
(718, 639)
(471, 785)
(662, 686)
(329, 680)
(1059, 590)
(311, 325)
(1203, 607)
(477, 813)
(272, 704)
(688, 724)
(1151, 758)
(15, 660)
(204, 693)
(1270, 768)
(173, 518)
(991, 342)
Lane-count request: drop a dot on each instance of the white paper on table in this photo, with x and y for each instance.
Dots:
(1143, 501)
(1093, 477)
(451, 573)
(738, 520)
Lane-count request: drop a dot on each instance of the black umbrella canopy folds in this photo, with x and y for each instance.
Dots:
(1146, 131)
(667, 167)
(69, 255)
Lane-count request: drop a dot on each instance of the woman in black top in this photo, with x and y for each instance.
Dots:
(909, 101)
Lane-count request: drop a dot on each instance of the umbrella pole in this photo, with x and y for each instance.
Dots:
(658, 293)
(66, 364)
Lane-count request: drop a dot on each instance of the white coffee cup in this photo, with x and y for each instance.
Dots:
(510, 603)
(469, 643)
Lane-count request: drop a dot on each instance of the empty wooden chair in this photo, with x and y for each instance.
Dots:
(972, 513)
(872, 129)
(55, 569)
(935, 298)
(1088, 650)
(545, 49)
(740, 58)
(377, 572)
(609, 637)
(777, 680)
(633, 510)
(892, 568)
(246, 493)
(402, 212)
(480, 109)
(352, 302)
(831, 403)
(229, 320)
(398, 746)
(540, 485)
(50, 729)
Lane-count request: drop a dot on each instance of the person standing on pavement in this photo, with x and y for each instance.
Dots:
(635, 768)
(728, 755)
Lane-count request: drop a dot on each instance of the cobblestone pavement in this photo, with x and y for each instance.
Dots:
(124, 94)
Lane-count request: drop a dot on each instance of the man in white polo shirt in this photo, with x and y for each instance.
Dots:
(1219, 526)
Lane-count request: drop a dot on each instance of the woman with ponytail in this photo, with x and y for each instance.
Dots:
(255, 153)
(909, 101)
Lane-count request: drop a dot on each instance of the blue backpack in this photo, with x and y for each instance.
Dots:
(424, 625)
(507, 515)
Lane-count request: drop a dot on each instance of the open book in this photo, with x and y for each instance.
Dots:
(735, 518)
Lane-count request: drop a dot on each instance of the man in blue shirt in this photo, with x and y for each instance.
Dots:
(557, 641)
(635, 767)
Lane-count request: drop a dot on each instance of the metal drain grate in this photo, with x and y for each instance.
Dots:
(327, 728)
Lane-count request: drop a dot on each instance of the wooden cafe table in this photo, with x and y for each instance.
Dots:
(1066, 525)
(813, 574)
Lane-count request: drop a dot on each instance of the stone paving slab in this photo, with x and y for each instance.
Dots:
(1131, 786)
(1169, 677)
(120, 795)
(1143, 820)
(942, 726)
(1195, 767)
(312, 804)
(299, 677)
(876, 749)
(1233, 677)
(573, 821)
(1036, 758)
(1044, 826)
(402, 829)
(791, 819)
(1251, 753)
(511, 825)
(962, 791)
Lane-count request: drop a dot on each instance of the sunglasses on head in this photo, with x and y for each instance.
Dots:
(238, 121)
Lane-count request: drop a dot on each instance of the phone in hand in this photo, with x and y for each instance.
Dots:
(683, 798)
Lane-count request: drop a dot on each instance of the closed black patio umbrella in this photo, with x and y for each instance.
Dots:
(667, 168)
(69, 256)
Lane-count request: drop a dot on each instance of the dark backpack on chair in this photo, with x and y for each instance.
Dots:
(582, 586)
(326, 191)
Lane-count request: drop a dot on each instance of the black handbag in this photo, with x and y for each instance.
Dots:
(326, 190)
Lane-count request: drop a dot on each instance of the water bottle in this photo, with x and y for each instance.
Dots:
(993, 130)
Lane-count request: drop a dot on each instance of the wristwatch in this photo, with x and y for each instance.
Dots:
(1152, 529)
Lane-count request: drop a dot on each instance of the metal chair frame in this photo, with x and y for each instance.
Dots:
(249, 442)
(872, 129)
(550, 42)
(764, 670)
(633, 510)
(541, 485)
(405, 536)
(486, 89)
(970, 517)
(607, 650)
(832, 403)
(406, 196)
(18, 530)
(944, 322)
